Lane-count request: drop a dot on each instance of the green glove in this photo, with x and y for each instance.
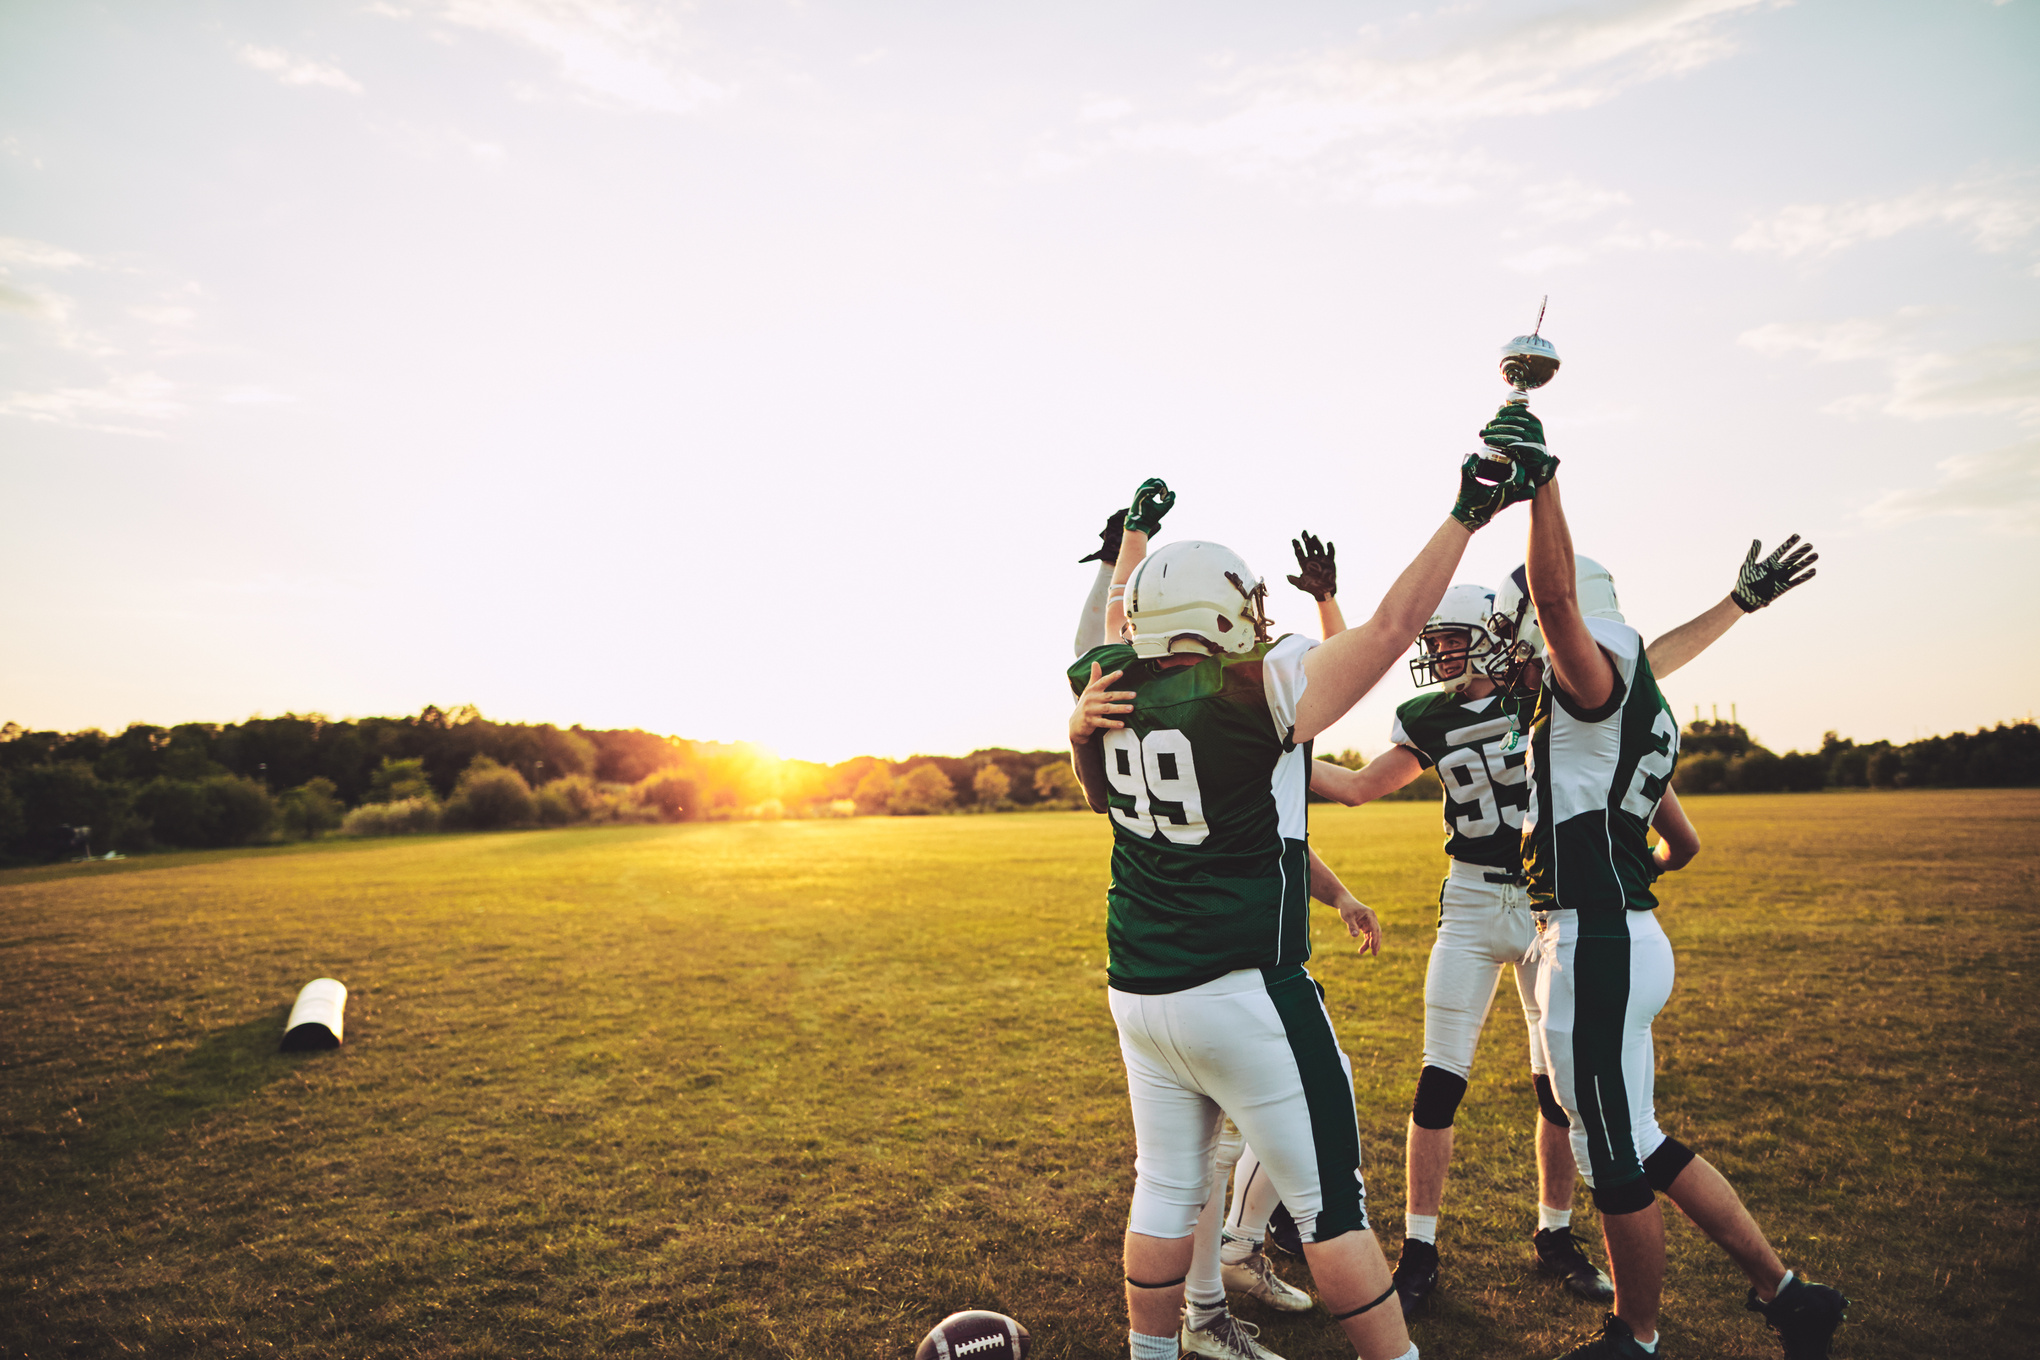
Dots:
(1516, 431)
(1151, 500)
(1760, 583)
(1478, 501)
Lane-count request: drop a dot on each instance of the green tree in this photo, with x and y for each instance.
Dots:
(874, 791)
(310, 809)
(1056, 785)
(991, 786)
(489, 797)
(396, 780)
(924, 791)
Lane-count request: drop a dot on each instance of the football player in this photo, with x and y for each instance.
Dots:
(1469, 727)
(1603, 745)
(1239, 1263)
(1201, 761)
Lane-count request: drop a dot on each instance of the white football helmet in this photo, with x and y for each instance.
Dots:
(1454, 646)
(1519, 640)
(1195, 597)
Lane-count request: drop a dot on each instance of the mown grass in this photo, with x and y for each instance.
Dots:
(799, 1089)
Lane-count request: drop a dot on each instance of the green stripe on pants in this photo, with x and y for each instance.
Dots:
(1600, 1013)
(1327, 1094)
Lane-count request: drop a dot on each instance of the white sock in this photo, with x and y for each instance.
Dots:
(1781, 1285)
(1422, 1227)
(1549, 1218)
(1234, 1248)
(1410, 1354)
(1146, 1347)
(1650, 1345)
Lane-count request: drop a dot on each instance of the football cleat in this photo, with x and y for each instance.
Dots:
(1282, 1232)
(1558, 1254)
(1614, 1342)
(1804, 1315)
(1416, 1274)
(1256, 1278)
(1224, 1337)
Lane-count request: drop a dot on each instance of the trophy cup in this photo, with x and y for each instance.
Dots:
(1528, 362)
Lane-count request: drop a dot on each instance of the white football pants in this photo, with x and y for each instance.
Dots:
(1263, 1052)
(1483, 927)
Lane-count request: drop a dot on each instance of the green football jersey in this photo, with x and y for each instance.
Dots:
(1596, 778)
(1210, 870)
(1486, 781)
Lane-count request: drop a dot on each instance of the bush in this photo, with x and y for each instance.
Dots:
(874, 792)
(1056, 785)
(55, 799)
(310, 809)
(206, 814)
(489, 797)
(674, 797)
(401, 818)
(396, 780)
(1700, 774)
(925, 790)
(1425, 788)
(991, 787)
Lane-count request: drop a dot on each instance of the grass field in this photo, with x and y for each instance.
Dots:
(801, 1088)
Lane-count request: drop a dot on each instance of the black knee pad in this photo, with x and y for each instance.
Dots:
(1438, 1097)
(1662, 1167)
(1627, 1198)
(1554, 1113)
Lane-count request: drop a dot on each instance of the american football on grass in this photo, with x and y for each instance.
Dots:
(975, 1335)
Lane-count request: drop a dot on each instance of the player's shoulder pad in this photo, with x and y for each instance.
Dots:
(1111, 656)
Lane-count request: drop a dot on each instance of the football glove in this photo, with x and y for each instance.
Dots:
(1760, 583)
(1317, 568)
(1478, 500)
(1151, 500)
(1108, 539)
(1517, 431)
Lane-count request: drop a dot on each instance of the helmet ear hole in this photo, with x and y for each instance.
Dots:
(1224, 624)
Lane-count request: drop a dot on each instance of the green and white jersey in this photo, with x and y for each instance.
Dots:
(1210, 870)
(1486, 786)
(1596, 777)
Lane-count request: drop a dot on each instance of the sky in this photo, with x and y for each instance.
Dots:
(759, 371)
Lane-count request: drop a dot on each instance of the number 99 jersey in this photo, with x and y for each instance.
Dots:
(1208, 789)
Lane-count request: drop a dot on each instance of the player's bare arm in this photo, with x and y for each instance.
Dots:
(1383, 775)
(1152, 499)
(1678, 841)
(1346, 667)
(1758, 584)
(1579, 665)
(1317, 575)
(1361, 922)
(1092, 715)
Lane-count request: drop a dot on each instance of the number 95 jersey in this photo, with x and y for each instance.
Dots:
(1210, 870)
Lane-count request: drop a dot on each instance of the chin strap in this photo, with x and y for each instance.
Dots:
(1366, 1307)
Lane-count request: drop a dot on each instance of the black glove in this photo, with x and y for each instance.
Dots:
(1760, 583)
(1108, 538)
(1317, 567)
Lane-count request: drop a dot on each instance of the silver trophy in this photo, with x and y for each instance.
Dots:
(1528, 362)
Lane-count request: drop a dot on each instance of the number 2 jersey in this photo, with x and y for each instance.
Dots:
(1486, 783)
(1596, 777)
(1210, 866)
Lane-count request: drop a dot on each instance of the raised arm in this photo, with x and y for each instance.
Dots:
(1383, 775)
(1317, 575)
(1758, 584)
(1151, 500)
(1361, 922)
(1678, 841)
(1091, 623)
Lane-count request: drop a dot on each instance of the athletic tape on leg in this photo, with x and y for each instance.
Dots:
(1365, 1307)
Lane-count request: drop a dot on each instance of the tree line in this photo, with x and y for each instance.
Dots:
(202, 785)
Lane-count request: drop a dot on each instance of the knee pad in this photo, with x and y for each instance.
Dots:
(1662, 1167)
(1547, 1101)
(1438, 1095)
(1626, 1198)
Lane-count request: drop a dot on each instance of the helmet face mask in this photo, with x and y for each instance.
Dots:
(1195, 598)
(1455, 644)
(1520, 642)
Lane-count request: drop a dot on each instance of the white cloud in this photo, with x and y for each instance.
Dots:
(143, 396)
(297, 71)
(1542, 259)
(2000, 488)
(1996, 213)
(618, 51)
(1924, 383)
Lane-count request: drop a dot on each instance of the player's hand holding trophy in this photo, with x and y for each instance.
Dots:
(1515, 438)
